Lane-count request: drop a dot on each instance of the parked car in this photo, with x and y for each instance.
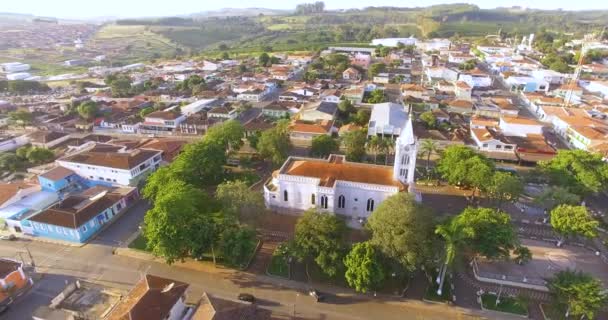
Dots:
(10, 237)
(317, 295)
(246, 297)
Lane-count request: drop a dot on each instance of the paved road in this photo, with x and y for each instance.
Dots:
(95, 262)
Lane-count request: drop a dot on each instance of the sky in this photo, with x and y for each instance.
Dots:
(147, 8)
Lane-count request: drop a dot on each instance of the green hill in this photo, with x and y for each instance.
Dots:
(242, 31)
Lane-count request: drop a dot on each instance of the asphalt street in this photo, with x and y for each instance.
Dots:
(95, 262)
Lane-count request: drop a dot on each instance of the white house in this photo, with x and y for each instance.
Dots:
(476, 79)
(527, 84)
(440, 73)
(491, 140)
(550, 76)
(353, 190)
(11, 67)
(159, 122)
(598, 86)
(394, 42)
(387, 119)
(197, 106)
(111, 164)
(520, 126)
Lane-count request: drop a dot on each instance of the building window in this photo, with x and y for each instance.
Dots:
(403, 172)
(405, 160)
(485, 145)
(84, 228)
(312, 198)
(324, 202)
(285, 197)
(341, 202)
(370, 205)
(498, 147)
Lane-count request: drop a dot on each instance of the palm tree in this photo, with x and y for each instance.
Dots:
(429, 147)
(373, 145)
(454, 234)
(522, 254)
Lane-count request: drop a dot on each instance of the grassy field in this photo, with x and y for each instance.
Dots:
(507, 304)
(127, 44)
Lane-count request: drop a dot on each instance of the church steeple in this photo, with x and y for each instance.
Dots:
(405, 155)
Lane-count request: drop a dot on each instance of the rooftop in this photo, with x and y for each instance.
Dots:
(112, 156)
(76, 210)
(337, 168)
(150, 299)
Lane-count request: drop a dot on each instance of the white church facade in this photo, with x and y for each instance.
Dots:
(350, 189)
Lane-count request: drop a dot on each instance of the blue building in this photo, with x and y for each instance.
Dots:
(78, 217)
(59, 180)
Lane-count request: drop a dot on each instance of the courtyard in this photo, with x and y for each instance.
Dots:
(547, 259)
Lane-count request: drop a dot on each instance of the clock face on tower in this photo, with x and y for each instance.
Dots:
(406, 149)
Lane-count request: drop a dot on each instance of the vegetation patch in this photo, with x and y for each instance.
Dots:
(278, 266)
(139, 243)
(507, 304)
(446, 293)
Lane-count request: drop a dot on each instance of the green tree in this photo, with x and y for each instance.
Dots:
(87, 110)
(146, 111)
(156, 182)
(323, 146)
(264, 59)
(429, 119)
(229, 134)
(236, 244)
(201, 163)
(22, 117)
(363, 269)
(570, 221)
(577, 294)
(354, 143)
(579, 171)
(505, 187)
(239, 200)
(377, 96)
(120, 85)
(225, 55)
(492, 234)
(10, 162)
(522, 255)
(460, 165)
(402, 229)
(362, 117)
(319, 237)
(428, 147)
(274, 144)
(556, 195)
(178, 226)
(40, 155)
(376, 68)
(346, 108)
(373, 145)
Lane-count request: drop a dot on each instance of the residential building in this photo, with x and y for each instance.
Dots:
(527, 84)
(79, 217)
(279, 109)
(351, 74)
(215, 308)
(153, 298)
(255, 95)
(47, 139)
(362, 60)
(353, 190)
(112, 164)
(387, 120)
(520, 126)
(476, 78)
(301, 133)
(162, 122)
(223, 112)
(413, 90)
(354, 94)
(491, 140)
(460, 106)
(462, 90)
(319, 111)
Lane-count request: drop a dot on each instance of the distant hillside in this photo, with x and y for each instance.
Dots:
(235, 12)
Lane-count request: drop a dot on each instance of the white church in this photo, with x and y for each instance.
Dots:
(351, 189)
